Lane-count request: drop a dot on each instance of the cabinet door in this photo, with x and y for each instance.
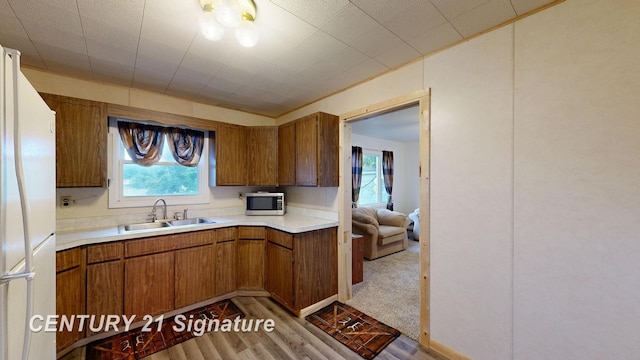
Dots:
(316, 266)
(307, 151)
(328, 149)
(69, 302)
(194, 275)
(230, 155)
(262, 156)
(250, 264)
(105, 288)
(225, 267)
(149, 285)
(81, 141)
(287, 154)
(279, 273)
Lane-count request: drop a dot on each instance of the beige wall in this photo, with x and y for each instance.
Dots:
(113, 94)
(535, 152)
(577, 182)
(472, 195)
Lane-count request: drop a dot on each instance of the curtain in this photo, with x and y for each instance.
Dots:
(356, 174)
(186, 145)
(143, 142)
(387, 172)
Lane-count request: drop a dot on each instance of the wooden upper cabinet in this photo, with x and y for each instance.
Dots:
(229, 154)
(317, 150)
(81, 141)
(287, 154)
(262, 156)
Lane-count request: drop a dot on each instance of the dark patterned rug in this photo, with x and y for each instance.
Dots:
(138, 343)
(358, 331)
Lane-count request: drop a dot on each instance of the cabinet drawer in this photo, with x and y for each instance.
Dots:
(227, 234)
(68, 259)
(104, 252)
(280, 238)
(195, 238)
(251, 232)
(149, 245)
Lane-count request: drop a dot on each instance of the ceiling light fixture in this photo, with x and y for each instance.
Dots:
(238, 14)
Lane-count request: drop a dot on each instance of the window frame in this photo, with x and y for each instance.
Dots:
(117, 161)
(381, 201)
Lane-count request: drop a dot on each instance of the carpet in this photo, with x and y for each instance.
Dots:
(358, 331)
(137, 343)
(390, 291)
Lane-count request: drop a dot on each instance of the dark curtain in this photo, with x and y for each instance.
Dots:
(186, 145)
(356, 174)
(387, 172)
(143, 142)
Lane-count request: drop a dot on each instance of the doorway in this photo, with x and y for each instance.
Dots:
(422, 100)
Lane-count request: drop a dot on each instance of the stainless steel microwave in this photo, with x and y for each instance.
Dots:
(264, 203)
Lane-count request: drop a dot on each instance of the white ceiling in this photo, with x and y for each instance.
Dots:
(308, 49)
(399, 125)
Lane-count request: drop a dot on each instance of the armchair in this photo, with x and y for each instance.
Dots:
(384, 231)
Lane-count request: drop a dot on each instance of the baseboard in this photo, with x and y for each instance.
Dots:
(445, 351)
(317, 306)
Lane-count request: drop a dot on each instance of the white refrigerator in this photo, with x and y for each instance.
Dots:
(27, 215)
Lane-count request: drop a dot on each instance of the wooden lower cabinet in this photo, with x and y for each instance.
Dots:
(194, 270)
(250, 257)
(315, 266)
(225, 267)
(149, 284)
(302, 269)
(105, 279)
(70, 292)
(69, 302)
(155, 275)
(279, 273)
(105, 289)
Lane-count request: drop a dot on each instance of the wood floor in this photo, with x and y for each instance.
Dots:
(293, 338)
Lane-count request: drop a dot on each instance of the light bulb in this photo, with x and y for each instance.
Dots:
(210, 27)
(228, 12)
(247, 34)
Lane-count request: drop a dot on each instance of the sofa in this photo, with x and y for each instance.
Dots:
(384, 231)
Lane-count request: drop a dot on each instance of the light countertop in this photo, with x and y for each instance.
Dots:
(291, 223)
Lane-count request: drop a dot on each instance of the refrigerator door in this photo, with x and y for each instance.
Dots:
(35, 214)
(42, 344)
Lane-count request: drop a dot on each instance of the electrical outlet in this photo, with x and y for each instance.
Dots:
(66, 201)
(240, 195)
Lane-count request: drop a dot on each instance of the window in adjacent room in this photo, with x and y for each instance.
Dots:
(140, 183)
(372, 190)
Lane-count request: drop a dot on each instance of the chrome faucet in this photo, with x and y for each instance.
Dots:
(164, 210)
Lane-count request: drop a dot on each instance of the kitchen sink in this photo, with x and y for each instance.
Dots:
(163, 224)
(145, 226)
(193, 221)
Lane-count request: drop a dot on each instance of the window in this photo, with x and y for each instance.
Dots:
(372, 190)
(133, 185)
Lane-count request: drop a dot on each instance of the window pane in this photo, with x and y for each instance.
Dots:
(369, 163)
(368, 188)
(159, 180)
